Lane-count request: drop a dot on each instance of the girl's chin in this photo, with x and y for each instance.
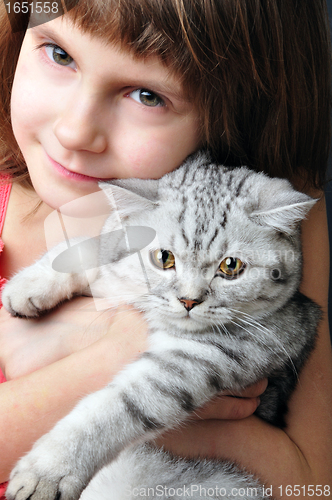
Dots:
(56, 196)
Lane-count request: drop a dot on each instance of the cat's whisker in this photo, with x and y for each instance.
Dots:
(267, 346)
(252, 320)
(260, 340)
(249, 320)
(221, 326)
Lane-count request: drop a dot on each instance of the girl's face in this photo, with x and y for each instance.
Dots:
(84, 110)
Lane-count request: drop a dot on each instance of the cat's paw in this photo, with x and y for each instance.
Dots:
(42, 478)
(26, 295)
(28, 485)
(36, 289)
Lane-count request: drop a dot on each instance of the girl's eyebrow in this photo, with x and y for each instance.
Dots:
(171, 88)
(48, 32)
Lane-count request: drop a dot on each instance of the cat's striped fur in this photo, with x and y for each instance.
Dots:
(209, 330)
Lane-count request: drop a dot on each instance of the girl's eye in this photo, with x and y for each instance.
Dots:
(147, 97)
(58, 55)
(231, 267)
(163, 259)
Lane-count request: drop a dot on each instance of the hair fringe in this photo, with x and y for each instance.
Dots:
(258, 72)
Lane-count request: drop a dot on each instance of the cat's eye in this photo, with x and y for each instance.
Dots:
(231, 267)
(163, 259)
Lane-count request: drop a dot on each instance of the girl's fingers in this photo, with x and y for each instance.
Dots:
(227, 408)
(233, 406)
(252, 391)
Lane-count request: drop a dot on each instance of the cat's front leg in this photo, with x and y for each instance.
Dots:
(149, 396)
(61, 463)
(39, 287)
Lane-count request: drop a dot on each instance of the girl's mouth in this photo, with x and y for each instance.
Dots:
(64, 172)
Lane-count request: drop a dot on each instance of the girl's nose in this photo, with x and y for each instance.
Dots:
(79, 126)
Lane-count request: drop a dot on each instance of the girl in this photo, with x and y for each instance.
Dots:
(129, 88)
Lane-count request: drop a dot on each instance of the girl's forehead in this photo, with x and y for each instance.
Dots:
(72, 35)
(145, 28)
(108, 60)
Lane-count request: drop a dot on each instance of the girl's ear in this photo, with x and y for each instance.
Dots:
(281, 206)
(130, 196)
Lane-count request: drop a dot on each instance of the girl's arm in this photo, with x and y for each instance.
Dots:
(301, 455)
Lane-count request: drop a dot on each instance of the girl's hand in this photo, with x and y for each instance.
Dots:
(29, 344)
(233, 406)
(195, 437)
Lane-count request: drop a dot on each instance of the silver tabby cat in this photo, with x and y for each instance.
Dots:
(223, 309)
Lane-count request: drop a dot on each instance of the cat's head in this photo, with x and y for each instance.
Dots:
(228, 243)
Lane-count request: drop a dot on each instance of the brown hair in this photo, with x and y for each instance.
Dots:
(258, 71)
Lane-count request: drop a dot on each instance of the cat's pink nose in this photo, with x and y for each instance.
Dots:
(189, 303)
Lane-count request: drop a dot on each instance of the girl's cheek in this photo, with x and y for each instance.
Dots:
(27, 100)
(20, 111)
(153, 155)
(142, 156)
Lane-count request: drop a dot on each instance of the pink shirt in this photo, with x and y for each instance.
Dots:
(4, 197)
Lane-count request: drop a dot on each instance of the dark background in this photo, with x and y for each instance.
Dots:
(328, 192)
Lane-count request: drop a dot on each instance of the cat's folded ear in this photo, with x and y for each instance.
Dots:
(130, 196)
(281, 206)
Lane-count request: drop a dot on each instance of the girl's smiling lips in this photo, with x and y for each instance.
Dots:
(64, 172)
